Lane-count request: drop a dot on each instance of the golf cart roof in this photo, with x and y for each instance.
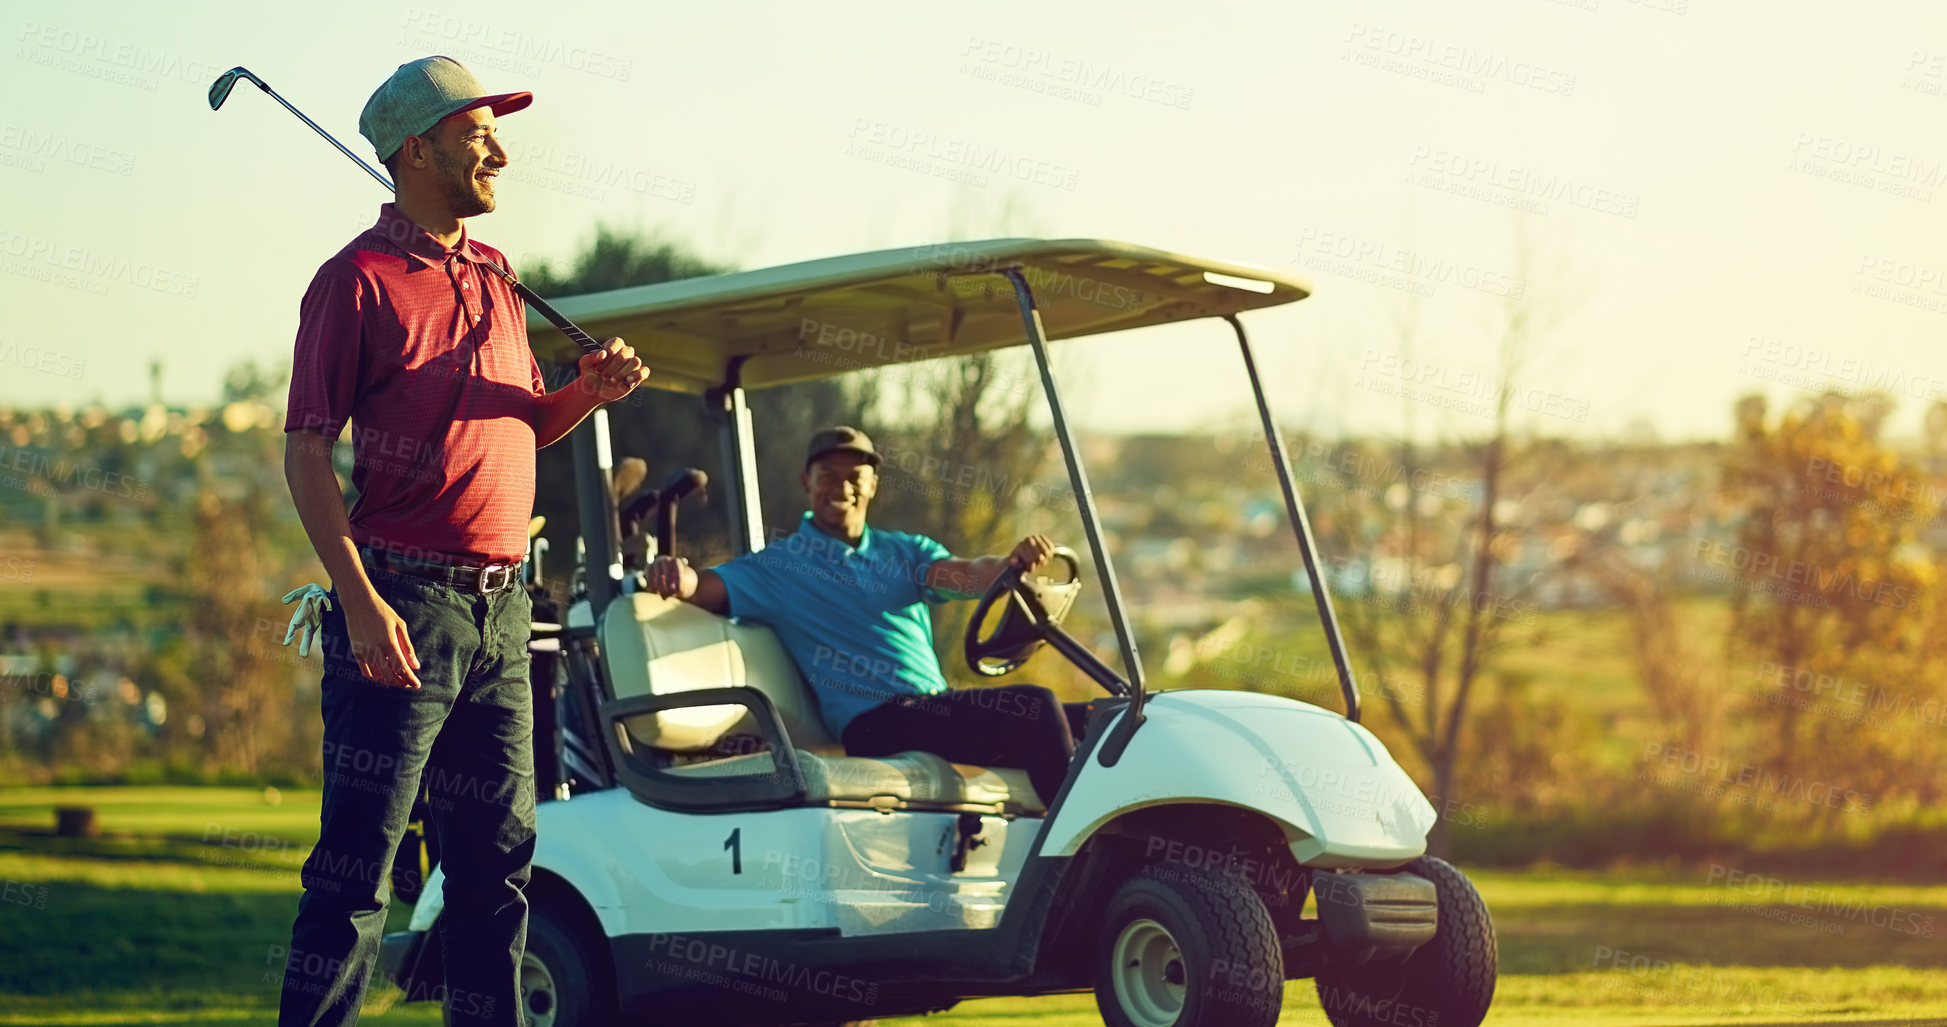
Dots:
(825, 317)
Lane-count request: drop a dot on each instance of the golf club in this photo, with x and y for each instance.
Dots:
(220, 91)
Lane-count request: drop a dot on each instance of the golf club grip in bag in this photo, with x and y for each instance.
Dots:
(683, 484)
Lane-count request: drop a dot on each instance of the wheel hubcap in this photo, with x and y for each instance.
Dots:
(538, 998)
(1150, 979)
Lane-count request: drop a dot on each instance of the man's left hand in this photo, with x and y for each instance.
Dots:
(1032, 552)
(613, 372)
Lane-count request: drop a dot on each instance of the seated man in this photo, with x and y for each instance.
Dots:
(845, 599)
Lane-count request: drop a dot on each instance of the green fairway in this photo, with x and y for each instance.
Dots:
(179, 913)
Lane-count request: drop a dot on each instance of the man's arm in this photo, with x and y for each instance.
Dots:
(673, 576)
(379, 640)
(971, 578)
(557, 413)
(606, 376)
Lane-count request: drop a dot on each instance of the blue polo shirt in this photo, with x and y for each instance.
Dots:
(853, 618)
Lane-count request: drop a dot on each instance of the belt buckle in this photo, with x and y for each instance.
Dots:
(487, 581)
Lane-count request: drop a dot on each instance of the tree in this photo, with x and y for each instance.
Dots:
(966, 422)
(1822, 563)
(250, 380)
(971, 414)
(618, 258)
(672, 431)
(1685, 691)
(1443, 604)
(246, 701)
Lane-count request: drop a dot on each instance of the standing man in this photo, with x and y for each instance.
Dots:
(404, 335)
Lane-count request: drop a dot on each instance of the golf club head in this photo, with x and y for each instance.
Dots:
(220, 89)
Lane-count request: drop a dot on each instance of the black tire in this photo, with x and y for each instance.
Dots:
(1449, 980)
(1215, 963)
(560, 986)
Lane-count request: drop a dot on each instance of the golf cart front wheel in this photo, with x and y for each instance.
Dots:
(1449, 980)
(1186, 946)
(558, 985)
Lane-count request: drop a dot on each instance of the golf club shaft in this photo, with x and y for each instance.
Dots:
(315, 127)
(555, 317)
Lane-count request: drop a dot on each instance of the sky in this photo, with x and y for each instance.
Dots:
(1709, 198)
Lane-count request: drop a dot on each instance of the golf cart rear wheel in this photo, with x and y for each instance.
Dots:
(1186, 946)
(1449, 980)
(558, 988)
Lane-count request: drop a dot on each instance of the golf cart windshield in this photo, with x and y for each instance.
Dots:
(725, 334)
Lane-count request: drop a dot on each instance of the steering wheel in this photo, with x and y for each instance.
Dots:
(1034, 602)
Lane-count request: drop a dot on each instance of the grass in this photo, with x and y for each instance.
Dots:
(178, 915)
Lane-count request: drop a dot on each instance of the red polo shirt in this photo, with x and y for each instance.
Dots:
(425, 353)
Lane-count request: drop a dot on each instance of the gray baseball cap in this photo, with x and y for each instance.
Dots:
(423, 93)
(842, 437)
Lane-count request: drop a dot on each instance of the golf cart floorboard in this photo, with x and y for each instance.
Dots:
(863, 977)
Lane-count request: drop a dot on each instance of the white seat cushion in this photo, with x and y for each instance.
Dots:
(658, 646)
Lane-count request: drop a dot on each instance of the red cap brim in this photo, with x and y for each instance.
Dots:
(500, 103)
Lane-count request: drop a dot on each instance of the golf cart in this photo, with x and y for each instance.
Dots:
(711, 855)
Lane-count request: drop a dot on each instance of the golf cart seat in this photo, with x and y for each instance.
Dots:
(908, 780)
(664, 647)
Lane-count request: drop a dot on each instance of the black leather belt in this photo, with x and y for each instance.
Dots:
(486, 580)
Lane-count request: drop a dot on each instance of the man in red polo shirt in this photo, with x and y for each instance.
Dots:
(405, 336)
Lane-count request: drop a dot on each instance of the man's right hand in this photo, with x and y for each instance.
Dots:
(672, 576)
(379, 641)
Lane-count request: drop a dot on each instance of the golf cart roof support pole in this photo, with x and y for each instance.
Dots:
(595, 505)
(1301, 525)
(1091, 524)
(746, 513)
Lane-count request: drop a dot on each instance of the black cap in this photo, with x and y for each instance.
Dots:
(842, 437)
